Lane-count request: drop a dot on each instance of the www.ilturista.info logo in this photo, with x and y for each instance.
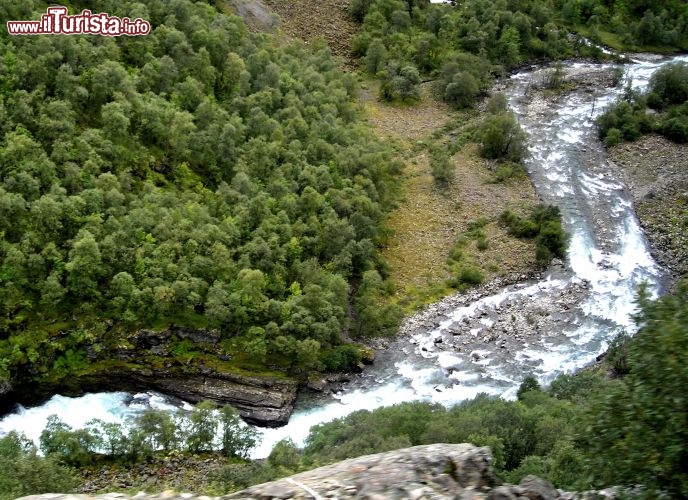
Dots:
(58, 22)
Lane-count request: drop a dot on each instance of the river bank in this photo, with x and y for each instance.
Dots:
(655, 170)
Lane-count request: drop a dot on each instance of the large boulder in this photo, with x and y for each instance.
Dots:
(436, 471)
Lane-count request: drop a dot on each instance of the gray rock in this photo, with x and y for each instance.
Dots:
(434, 471)
(538, 489)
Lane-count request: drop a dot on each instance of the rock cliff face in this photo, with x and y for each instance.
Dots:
(150, 360)
(263, 401)
(440, 471)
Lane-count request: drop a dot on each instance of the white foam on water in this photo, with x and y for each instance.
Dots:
(76, 412)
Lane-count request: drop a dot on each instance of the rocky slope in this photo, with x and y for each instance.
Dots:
(440, 471)
(655, 171)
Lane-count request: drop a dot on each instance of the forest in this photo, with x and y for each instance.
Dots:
(465, 45)
(200, 176)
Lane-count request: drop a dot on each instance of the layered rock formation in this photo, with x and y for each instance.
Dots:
(151, 360)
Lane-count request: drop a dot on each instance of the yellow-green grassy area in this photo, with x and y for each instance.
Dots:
(427, 222)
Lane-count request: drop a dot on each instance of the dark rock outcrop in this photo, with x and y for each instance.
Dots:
(264, 401)
(150, 360)
(6, 397)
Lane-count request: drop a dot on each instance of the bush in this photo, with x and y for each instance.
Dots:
(400, 83)
(482, 244)
(670, 83)
(612, 137)
(544, 224)
(376, 57)
(575, 387)
(529, 384)
(442, 168)
(470, 275)
(500, 136)
(676, 129)
(342, 358)
(519, 226)
(359, 9)
(285, 456)
(617, 355)
(505, 171)
(638, 428)
(462, 90)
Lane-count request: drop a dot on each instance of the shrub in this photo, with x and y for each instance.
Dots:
(359, 9)
(544, 224)
(500, 136)
(612, 137)
(529, 384)
(638, 428)
(617, 355)
(670, 83)
(400, 83)
(506, 170)
(575, 386)
(676, 129)
(518, 226)
(342, 358)
(442, 168)
(461, 90)
(376, 56)
(470, 275)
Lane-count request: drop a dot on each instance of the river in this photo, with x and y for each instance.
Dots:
(489, 340)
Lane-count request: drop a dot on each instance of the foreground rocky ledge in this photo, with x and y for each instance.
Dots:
(439, 471)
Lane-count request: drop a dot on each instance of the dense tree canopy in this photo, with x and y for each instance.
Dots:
(467, 43)
(197, 175)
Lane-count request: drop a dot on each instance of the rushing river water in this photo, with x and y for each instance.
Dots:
(489, 342)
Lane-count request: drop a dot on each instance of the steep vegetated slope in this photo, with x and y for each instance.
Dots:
(200, 176)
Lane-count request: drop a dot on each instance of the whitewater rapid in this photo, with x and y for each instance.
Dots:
(462, 348)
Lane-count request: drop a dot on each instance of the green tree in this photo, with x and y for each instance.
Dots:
(153, 430)
(237, 438)
(640, 424)
(202, 427)
(23, 472)
(501, 136)
(376, 57)
(462, 90)
(84, 267)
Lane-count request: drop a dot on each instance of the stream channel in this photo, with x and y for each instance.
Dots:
(489, 339)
